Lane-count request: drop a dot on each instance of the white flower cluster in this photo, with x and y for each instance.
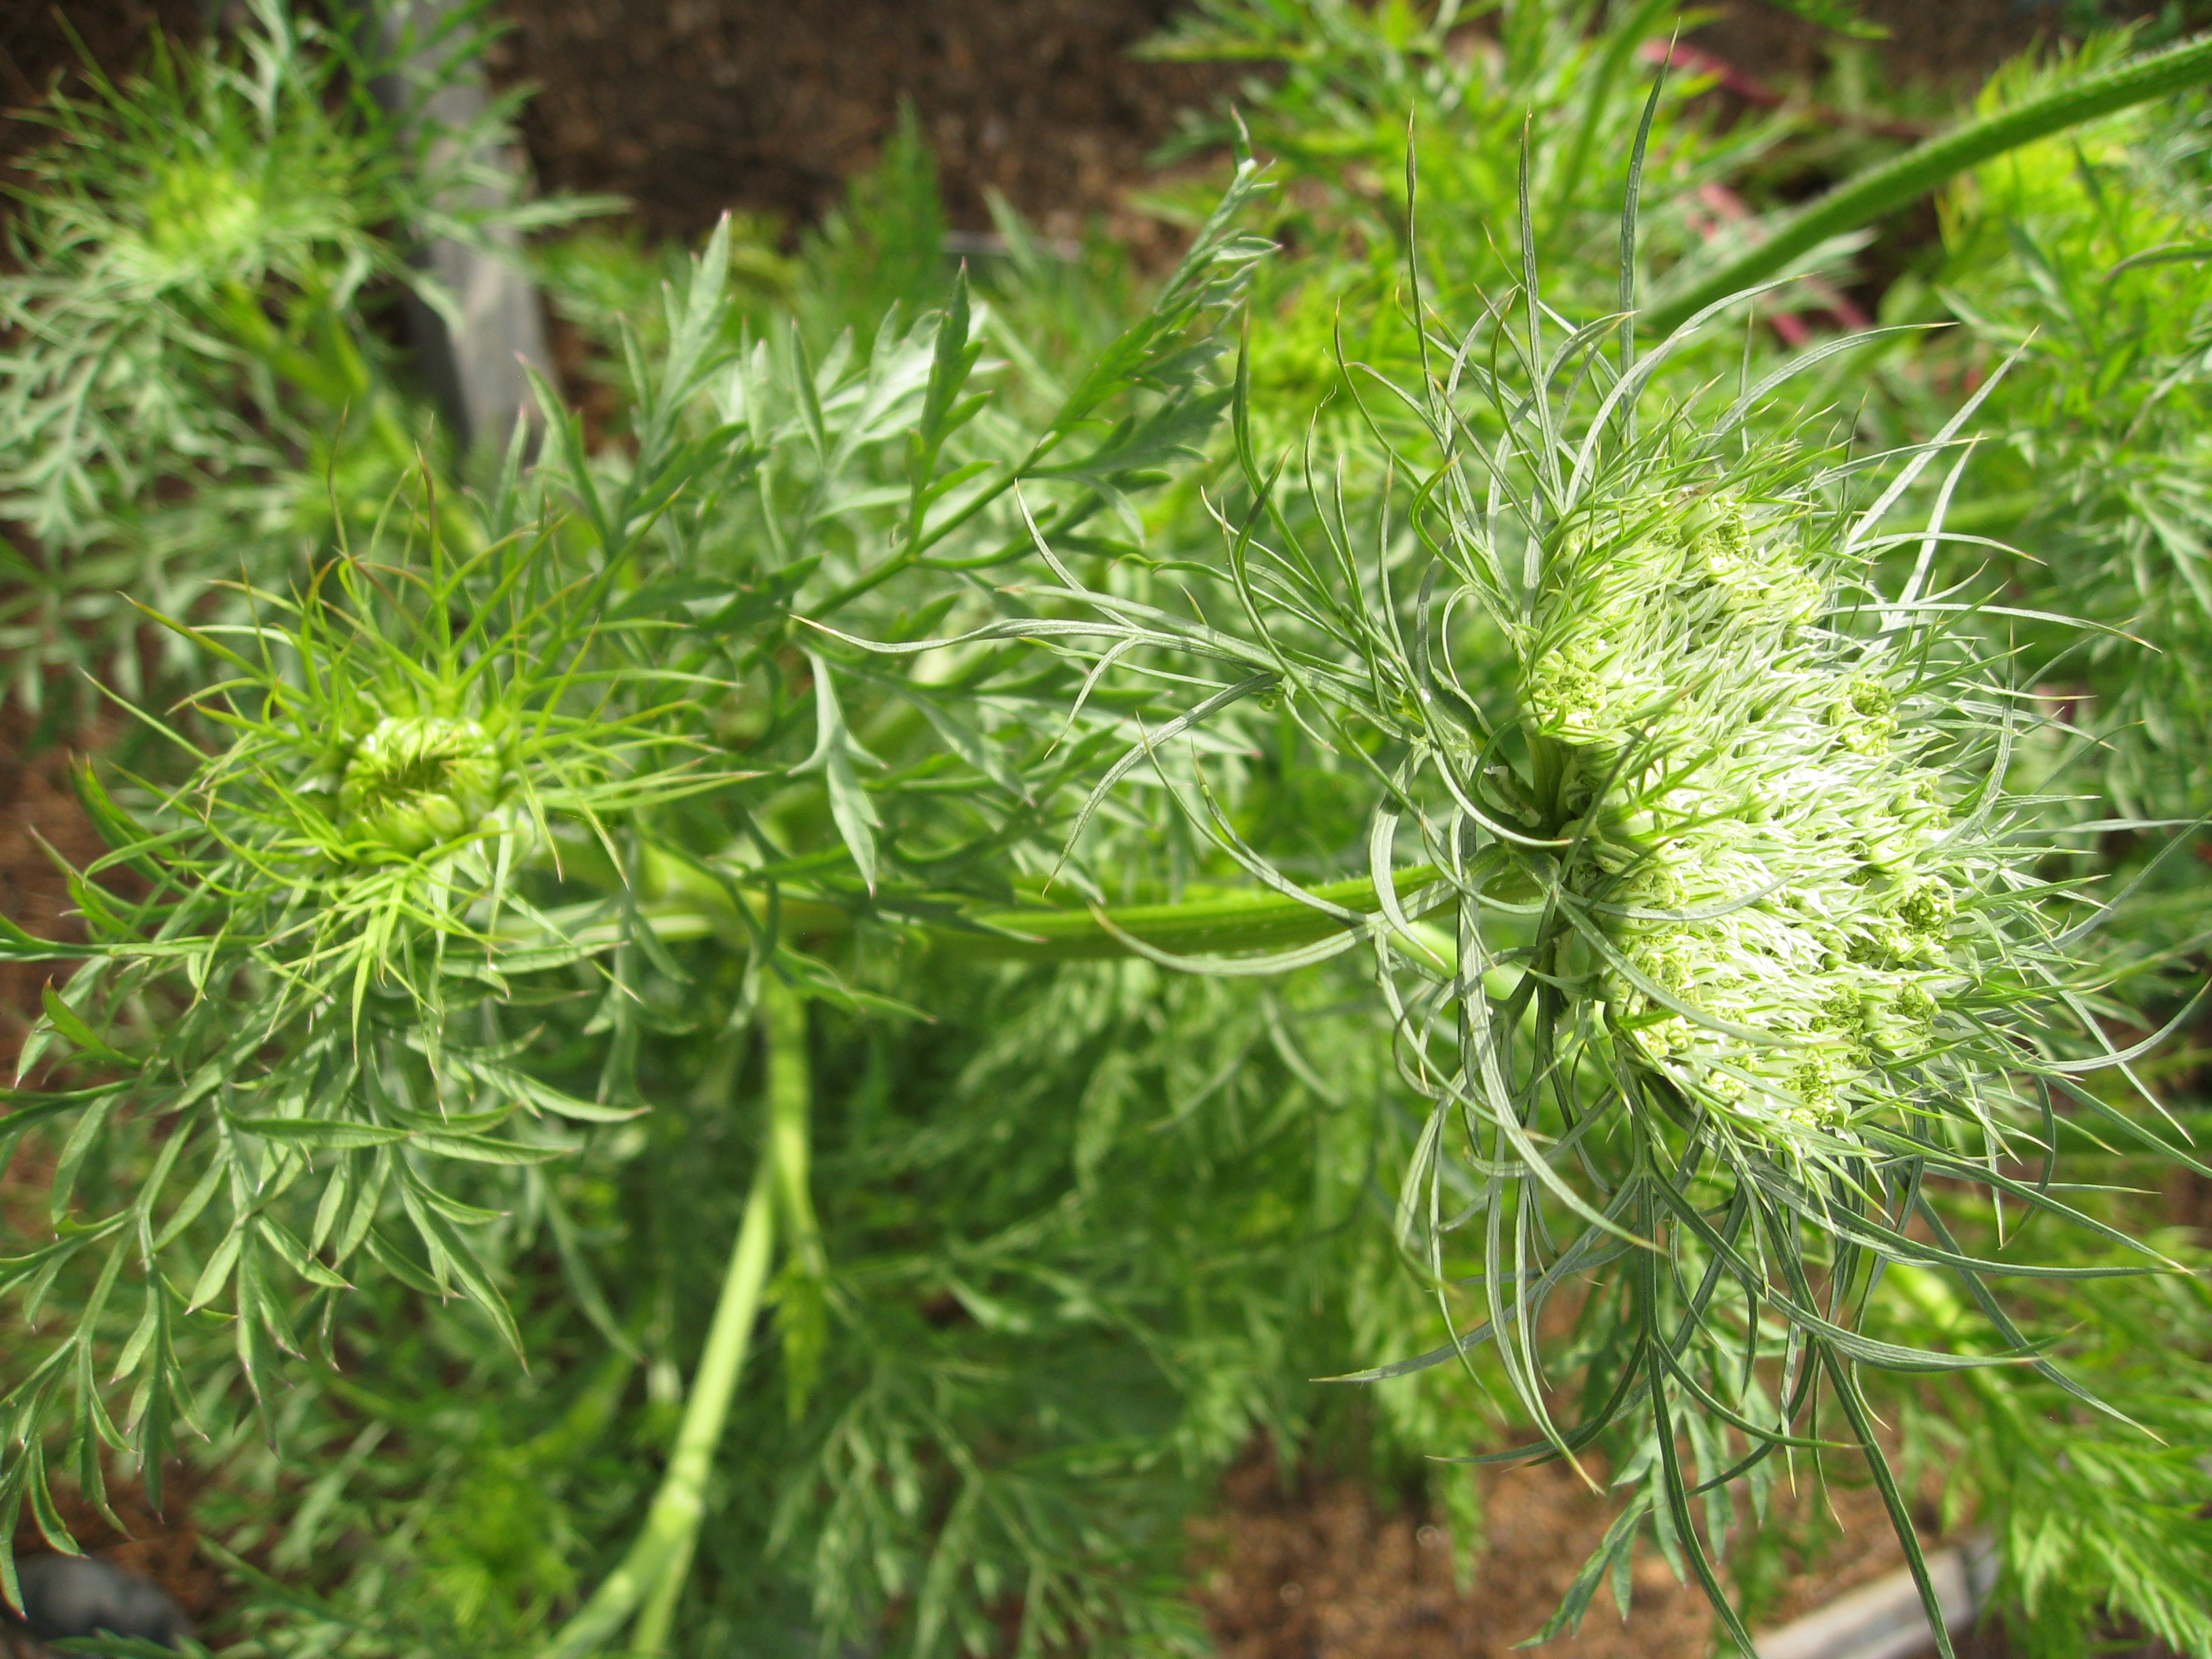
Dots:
(1755, 833)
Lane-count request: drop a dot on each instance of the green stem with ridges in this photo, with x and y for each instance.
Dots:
(790, 1108)
(1259, 920)
(1858, 202)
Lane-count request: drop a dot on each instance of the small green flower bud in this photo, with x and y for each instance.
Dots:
(1928, 908)
(1865, 716)
(1815, 1089)
(1763, 585)
(418, 782)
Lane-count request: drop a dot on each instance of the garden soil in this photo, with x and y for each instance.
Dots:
(1326, 1569)
(1322, 1572)
(688, 106)
(38, 810)
(39, 42)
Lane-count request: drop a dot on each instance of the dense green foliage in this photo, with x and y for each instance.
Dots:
(787, 1025)
(190, 391)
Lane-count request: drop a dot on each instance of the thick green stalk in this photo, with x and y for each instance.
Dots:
(662, 1547)
(653, 1572)
(790, 1105)
(1858, 202)
(1259, 920)
(684, 901)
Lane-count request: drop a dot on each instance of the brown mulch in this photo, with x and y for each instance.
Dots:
(1322, 1572)
(41, 42)
(769, 105)
(690, 106)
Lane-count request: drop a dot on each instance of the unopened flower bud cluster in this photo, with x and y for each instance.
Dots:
(418, 782)
(1767, 854)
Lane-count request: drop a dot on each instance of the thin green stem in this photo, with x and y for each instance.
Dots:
(1858, 202)
(917, 553)
(653, 1572)
(868, 582)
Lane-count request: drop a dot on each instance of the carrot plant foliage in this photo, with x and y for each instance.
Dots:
(788, 1017)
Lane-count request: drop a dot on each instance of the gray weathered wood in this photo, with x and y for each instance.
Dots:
(70, 1596)
(1884, 1620)
(475, 367)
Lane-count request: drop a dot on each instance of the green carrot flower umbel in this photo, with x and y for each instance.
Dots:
(1774, 857)
(1753, 942)
(1749, 943)
(322, 929)
(415, 781)
(391, 775)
